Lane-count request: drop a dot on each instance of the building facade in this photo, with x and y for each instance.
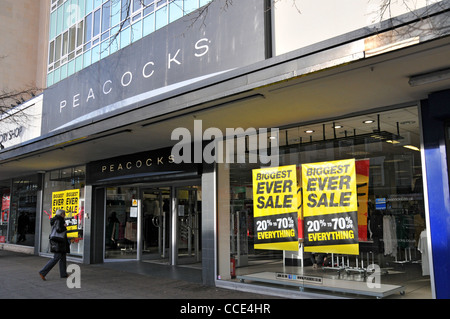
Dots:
(295, 145)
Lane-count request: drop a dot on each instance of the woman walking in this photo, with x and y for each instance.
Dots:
(59, 245)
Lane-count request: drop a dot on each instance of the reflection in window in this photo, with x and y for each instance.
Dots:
(136, 5)
(51, 54)
(88, 28)
(106, 16)
(58, 48)
(72, 38)
(96, 23)
(80, 33)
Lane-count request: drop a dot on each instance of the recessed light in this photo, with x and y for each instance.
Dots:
(309, 131)
(411, 147)
(369, 121)
(338, 126)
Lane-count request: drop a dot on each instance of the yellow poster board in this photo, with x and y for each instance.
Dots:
(68, 200)
(275, 208)
(330, 207)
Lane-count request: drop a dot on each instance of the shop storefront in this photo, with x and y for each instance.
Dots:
(146, 208)
(347, 204)
(354, 222)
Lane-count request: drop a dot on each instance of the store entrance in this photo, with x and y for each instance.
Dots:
(154, 224)
(187, 226)
(156, 213)
(171, 225)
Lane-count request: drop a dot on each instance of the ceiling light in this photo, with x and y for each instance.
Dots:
(309, 131)
(411, 147)
(338, 126)
(369, 121)
(392, 142)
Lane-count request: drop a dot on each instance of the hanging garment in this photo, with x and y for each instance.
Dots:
(389, 236)
(423, 248)
(131, 231)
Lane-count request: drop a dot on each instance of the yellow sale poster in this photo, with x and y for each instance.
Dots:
(68, 200)
(275, 208)
(330, 207)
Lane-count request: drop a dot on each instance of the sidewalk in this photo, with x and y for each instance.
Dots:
(19, 279)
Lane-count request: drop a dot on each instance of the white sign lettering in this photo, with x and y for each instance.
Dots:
(201, 48)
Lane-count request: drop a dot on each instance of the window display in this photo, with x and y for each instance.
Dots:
(64, 189)
(356, 222)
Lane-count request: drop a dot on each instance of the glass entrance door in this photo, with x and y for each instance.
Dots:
(156, 214)
(158, 224)
(121, 219)
(188, 221)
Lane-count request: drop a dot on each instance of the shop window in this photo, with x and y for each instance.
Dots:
(22, 210)
(64, 189)
(387, 257)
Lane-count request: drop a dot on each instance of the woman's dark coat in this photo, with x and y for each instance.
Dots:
(58, 222)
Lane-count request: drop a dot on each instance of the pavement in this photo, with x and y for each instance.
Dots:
(136, 288)
(19, 279)
(125, 288)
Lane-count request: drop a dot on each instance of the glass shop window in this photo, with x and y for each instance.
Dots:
(378, 248)
(64, 189)
(22, 210)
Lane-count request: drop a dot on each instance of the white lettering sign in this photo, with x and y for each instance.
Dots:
(148, 70)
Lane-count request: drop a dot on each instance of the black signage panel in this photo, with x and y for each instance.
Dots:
(151, 164)
(185, 52)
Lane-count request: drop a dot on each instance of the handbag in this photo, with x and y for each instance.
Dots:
(59, 237)
(53, 246)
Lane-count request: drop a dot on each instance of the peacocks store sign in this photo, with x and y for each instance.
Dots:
(152, 164)
(173, 59)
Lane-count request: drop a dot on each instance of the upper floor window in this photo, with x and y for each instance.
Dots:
(82, 32)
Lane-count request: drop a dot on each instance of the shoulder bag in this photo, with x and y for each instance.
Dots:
(59, 237)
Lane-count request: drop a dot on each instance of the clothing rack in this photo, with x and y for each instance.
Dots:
(341, 263)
